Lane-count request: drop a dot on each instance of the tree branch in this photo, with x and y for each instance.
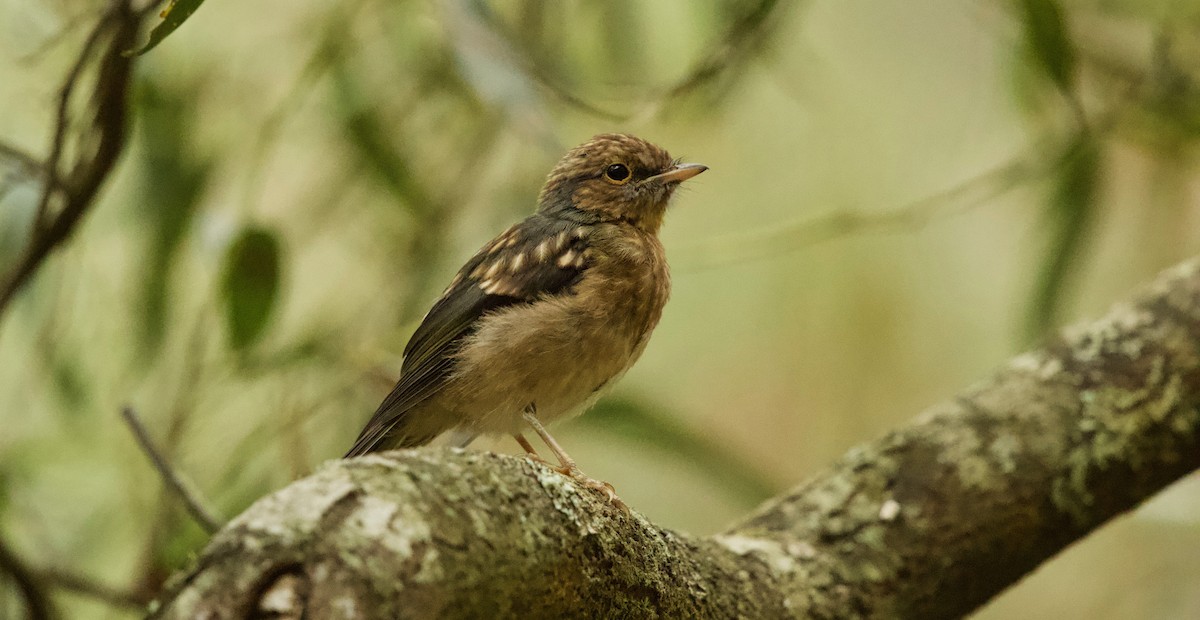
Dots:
(97, 149)
(929, 521)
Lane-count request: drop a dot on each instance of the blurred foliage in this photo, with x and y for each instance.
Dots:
(1071, 209)
(174, 180)
(250, 286)
(1048, 43)
(902, 195)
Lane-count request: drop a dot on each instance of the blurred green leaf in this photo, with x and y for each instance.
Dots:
(1046, 36)
(1070, 211)
(69, 382)
(173, 181)
(173, 17)
(250, 285)
(636, 422)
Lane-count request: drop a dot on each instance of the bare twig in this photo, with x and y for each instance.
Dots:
(33, 589)
(34, 584)
(195, 504)
(1041, 159)
(745, 37)
(23, 166)
(86, 586)
(23, 159)
(62, 119)
(755, 245)
(98, 146)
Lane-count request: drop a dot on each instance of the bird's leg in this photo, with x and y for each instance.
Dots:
(530, 452)
(567, 464)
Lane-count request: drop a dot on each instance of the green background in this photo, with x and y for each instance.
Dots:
(902, 195)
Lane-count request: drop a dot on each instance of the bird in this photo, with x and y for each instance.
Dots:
(547, 315)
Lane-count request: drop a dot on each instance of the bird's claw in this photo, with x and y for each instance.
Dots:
(609, 492)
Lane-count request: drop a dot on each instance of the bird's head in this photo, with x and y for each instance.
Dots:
(615, 177)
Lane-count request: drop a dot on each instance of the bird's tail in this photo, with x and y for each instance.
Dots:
(377, 437)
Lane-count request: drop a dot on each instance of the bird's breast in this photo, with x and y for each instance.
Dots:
(629, 282)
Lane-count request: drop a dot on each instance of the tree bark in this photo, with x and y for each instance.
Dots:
(929, 521)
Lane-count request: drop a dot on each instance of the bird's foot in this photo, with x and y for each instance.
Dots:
(606, 489)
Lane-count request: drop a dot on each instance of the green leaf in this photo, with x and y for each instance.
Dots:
(173, 17)
(1070, 211)
(250, 285)
(1046, 36)
(70, 384)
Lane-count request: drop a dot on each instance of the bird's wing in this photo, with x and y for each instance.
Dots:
(532, 259)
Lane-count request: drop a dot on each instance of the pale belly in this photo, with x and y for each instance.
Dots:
(557, 359)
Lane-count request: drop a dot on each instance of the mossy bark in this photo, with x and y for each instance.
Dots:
(929, 521)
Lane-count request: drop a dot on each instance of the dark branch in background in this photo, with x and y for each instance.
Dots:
(745, 36)
(34, 583)
(196, 505)
(930, 521)
(32, 589)
(70, 188)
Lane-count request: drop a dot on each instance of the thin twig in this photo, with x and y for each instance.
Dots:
(23, 167)
(781, 239)
(195, 504)
(86, 586)
(23, 159)
(62, 120)
(33, 589)
(745, 37)
(960, 198)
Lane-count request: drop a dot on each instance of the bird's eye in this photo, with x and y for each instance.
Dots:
(617, 173)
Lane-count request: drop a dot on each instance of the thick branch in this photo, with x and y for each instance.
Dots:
(929, 522)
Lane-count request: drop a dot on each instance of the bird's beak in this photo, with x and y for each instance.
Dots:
(679, 173)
